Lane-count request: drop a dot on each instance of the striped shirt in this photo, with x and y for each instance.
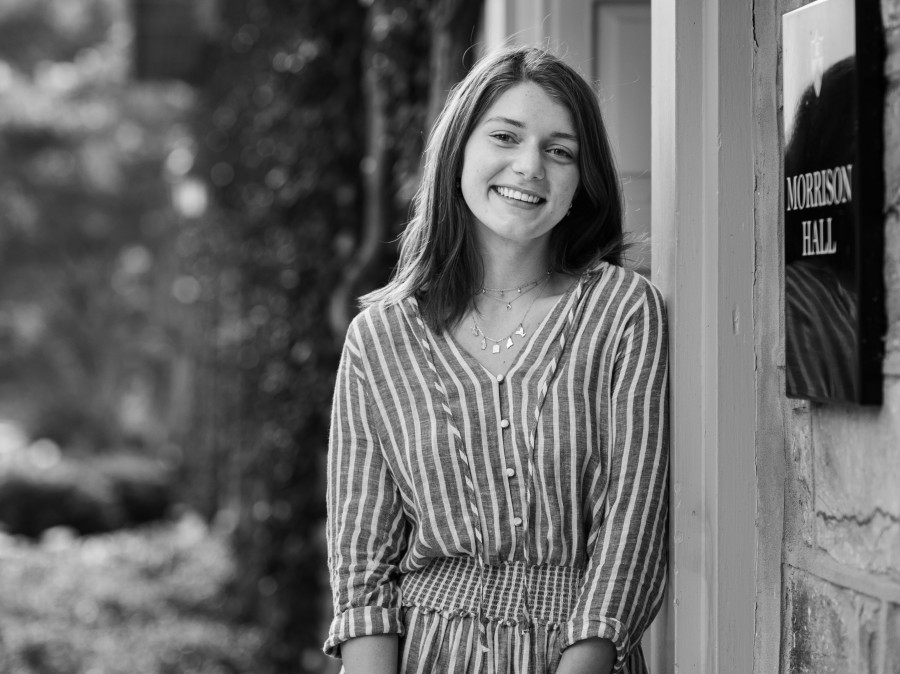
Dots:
(553, 475)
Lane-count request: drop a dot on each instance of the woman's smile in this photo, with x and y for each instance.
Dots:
(523, 197)
(520, 166)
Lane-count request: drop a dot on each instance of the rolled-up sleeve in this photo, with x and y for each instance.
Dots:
(365, 526)
(624, 581)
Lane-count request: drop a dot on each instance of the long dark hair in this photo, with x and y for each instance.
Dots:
(439, 263)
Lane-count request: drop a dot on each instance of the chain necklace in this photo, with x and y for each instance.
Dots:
(518, 289)
(520, 331)
(520, 293)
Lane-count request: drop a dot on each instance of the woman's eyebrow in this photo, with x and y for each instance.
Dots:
(508, 120)
(516, 123)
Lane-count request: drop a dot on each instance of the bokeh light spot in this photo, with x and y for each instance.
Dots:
(186, 289)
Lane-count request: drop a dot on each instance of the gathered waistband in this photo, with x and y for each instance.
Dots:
(450, 586)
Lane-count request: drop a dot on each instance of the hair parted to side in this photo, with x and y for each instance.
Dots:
(439, 263)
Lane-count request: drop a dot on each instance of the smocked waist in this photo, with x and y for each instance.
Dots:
(451, 586)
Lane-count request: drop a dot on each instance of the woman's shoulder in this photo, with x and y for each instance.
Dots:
(621, 284)
(381, 321)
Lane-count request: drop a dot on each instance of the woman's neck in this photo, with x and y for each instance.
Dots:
(510, 267)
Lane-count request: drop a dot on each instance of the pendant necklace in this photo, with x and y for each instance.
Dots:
(521, 290)
(520, 331)
(509, 302)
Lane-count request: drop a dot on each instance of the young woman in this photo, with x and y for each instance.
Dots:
(498, 457)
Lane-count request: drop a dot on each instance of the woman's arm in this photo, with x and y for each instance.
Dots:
(376, 654)
(589, 656)
(624, 579)
(366, 528)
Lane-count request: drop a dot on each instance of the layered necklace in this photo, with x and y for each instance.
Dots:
(538, 284)
(520, 291)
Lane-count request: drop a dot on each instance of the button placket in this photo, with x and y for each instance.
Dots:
(502, 397)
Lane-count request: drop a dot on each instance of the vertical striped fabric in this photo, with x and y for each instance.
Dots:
(427, 447)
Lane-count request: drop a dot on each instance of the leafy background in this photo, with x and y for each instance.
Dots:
(192, 194)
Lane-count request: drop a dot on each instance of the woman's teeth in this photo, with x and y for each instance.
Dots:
(518, 196)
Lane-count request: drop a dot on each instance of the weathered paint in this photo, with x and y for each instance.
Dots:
(774, 495)
(703, 253)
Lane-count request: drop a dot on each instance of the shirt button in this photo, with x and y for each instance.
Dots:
(517, 521)
(504, 423)
(510, 472)
(500, 378)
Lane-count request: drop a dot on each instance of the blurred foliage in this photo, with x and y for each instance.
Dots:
(289, 139)
(92, 331)
(281, 142)
(42, 489)
(134, 312)
(152, 601)
(47, 31)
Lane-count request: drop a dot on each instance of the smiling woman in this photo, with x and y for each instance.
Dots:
(498, 457)
(519, 172)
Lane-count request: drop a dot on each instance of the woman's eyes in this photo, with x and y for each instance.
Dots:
(556, 151)
(561, 152)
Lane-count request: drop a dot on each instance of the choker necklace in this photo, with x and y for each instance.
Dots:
(520, 331)
(521, 292)
(518, 289)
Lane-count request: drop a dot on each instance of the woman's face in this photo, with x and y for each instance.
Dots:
(520, 166)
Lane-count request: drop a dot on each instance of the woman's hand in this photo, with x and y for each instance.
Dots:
(589, 656)
(376, 654)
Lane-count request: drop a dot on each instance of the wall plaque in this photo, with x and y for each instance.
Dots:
(833, 187)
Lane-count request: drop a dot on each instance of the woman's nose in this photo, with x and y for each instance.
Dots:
(528, 163)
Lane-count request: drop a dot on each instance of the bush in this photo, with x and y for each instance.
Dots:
(150, 600)
(34, 500)
(89, 496)
(143, 488)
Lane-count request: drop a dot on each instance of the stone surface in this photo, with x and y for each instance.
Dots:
(892, 279)
(891, 132)
(827, 629)
(857, 470)
(890, 13)
(892, 640)
(869, 612)
(842, 463)
(799, 509)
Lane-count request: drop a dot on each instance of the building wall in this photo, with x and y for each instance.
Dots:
(828, 476)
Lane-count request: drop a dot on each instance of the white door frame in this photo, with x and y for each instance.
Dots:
(703, 260)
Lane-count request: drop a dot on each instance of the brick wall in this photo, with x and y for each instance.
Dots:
(839, 527)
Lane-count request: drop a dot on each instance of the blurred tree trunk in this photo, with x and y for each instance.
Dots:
(453, 24)
(376, 168)
(450, 26)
